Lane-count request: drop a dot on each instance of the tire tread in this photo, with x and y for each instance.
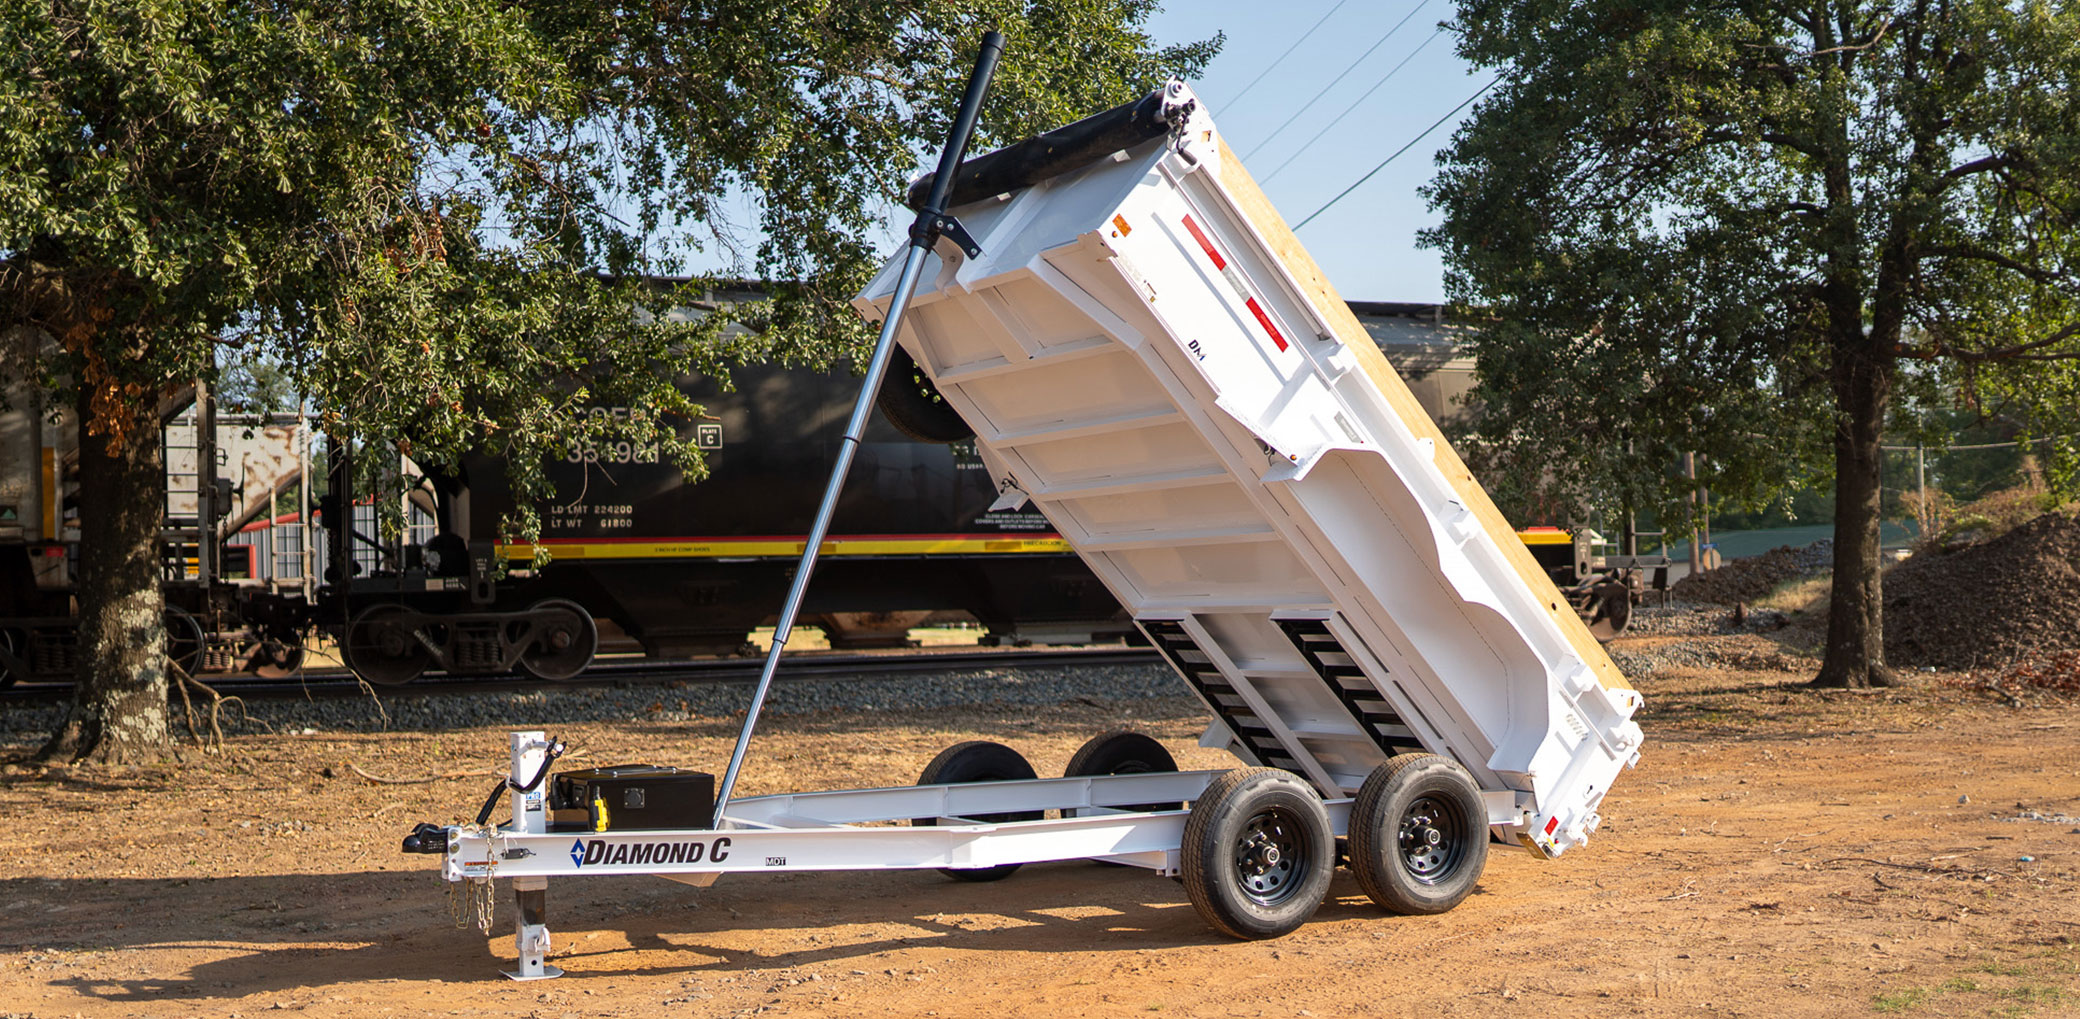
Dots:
(1368, 828)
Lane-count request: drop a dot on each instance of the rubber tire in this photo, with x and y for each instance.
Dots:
(1122, 752)
(1220, 818)
(570, 663)
(914, 408)
(978, 760)
(1375, 825)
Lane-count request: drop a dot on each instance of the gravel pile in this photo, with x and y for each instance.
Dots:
(1753, 655)
(1707, 637)
(1988, 604)
(550, 705)
(1677, 618)
(1744, 580)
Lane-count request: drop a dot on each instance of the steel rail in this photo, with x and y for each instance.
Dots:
(811, 665)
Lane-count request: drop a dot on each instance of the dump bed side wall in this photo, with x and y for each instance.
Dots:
(1252, 202)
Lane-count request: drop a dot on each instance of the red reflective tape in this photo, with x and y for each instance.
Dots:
(1552, 824)
(1200, 236)
(1265, 321)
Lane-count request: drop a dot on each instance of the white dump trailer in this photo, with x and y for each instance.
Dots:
(1145, 352)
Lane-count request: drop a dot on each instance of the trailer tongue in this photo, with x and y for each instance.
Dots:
(1146, 353)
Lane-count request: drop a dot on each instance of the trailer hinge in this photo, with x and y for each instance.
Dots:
(928, 228)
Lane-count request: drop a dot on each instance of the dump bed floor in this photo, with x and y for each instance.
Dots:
(1146, 354)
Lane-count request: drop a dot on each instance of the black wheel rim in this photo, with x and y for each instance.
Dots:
(1272, 857)
(1431, 840)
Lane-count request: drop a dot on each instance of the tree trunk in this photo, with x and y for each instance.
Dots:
(1863, 378)
(119, 710)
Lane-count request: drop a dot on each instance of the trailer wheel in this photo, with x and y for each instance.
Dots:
(1122, 752)
(1258, 853)
(1418, 834)
(978, 761)
(565, 640)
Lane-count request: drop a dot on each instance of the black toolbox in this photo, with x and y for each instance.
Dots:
(632, 797)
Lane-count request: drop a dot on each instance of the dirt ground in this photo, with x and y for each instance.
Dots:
(1778, 852)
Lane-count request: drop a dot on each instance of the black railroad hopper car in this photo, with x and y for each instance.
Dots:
(685, 569)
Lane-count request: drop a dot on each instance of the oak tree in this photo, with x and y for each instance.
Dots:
(443, 216)
(1741, 229)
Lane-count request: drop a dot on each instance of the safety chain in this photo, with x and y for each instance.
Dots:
(471, 903)
(470, 900)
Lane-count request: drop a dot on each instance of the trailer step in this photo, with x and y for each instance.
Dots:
(1368, 707)
(1228, 703)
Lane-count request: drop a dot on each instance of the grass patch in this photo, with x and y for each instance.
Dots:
(1805, 594)
(2038, 994)
(1903, 1000)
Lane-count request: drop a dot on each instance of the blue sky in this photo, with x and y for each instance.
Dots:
(1367, 241)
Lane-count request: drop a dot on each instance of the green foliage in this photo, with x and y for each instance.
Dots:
(1695, 225)
(1903, 1000)
(174, 173)
(434, 215)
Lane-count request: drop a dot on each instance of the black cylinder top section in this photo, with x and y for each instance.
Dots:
(934, 198)
(1049, 155)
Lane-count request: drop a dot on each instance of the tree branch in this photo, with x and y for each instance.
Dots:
(1995, 258)
(2018, 352)
(1873, 41)
(1978, 166)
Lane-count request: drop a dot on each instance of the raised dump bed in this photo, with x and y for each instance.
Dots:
(1146, 353)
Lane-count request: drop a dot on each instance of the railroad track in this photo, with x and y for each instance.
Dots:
(804, 665)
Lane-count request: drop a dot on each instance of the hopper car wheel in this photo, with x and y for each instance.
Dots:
(276, 657)
(1609, 610)
(13, 643)
(383, 647)
(565, 640)
(1258, 853)
(1122, 752)
(1418, 834)
(184, 639)
(978, 761)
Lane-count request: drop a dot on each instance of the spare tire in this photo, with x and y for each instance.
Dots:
(910, 403)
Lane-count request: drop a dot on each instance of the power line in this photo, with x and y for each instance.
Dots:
(1940, 450)
(1347, 110)
(1281, 57)
(1381, 41)
(1397, 152)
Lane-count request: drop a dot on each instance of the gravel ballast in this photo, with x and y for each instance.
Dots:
(670, 702)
